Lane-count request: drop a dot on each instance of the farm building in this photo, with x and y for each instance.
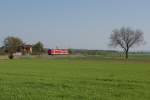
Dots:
(27, 49)
(23, 50)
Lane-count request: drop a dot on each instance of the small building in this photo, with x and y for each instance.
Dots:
(27, 49)
(23, 50)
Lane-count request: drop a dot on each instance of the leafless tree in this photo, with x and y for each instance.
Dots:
(126, 38)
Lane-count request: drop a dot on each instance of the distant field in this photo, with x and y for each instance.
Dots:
(74, 79)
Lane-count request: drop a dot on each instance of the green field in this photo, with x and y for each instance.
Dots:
(74, 79)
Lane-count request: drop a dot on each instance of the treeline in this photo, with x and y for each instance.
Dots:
(107, 53)
(92, 52)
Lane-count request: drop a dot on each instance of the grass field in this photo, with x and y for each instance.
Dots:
(74, 79)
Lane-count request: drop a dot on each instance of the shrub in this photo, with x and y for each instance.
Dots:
(11, 56)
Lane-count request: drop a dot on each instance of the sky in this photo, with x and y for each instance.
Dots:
(81, 24)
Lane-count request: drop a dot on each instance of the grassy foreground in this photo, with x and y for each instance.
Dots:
(74, 79)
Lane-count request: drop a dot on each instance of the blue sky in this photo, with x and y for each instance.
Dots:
(72, 23)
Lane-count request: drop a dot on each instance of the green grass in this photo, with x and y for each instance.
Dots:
(74, 79)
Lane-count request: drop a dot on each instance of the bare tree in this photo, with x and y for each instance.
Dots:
(126, 38)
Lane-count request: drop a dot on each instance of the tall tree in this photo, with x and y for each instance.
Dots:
(11, 44)
(38, 47)
(126, 38)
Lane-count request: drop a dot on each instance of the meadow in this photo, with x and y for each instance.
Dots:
(74, 79)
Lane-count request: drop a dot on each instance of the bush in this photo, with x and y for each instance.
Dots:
(11, 56)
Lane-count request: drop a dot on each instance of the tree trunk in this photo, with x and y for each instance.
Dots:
(126, 54)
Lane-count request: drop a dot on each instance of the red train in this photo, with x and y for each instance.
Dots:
(58, 52)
